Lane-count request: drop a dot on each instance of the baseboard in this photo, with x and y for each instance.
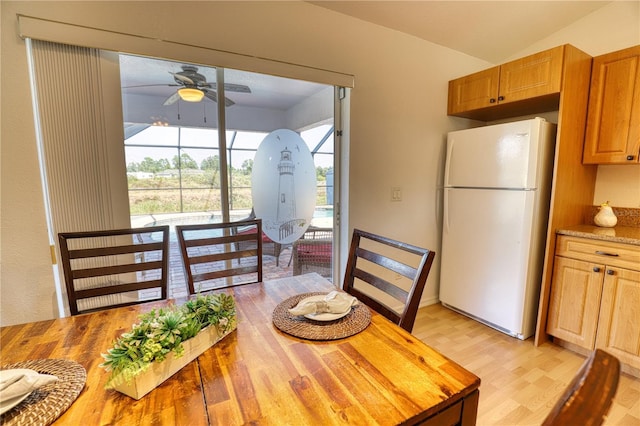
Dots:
(624, 368)
(429, 301)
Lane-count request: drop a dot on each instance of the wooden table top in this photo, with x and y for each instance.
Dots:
(257, 374)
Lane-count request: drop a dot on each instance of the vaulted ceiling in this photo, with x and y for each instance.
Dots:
(489, 30)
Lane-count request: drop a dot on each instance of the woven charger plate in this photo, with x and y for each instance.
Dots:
(305, 328)
(45, 404)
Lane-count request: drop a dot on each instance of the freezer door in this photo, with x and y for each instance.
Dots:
(486, 254)
(498, 156)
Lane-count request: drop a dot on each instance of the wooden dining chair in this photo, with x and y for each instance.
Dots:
(110, 268)
(379, 274)
(587, 399)
(217, 255)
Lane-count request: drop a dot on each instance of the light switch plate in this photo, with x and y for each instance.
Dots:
(396, 193)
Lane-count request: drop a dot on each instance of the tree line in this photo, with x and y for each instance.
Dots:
(211, 163)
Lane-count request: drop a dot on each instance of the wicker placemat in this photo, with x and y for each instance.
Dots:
(305, 328)
(45, 404)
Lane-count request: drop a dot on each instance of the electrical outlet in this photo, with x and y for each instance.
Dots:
(396, 193)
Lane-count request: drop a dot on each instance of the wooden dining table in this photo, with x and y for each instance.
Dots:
(259, 374)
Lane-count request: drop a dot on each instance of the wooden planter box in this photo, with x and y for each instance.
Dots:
(158, 372)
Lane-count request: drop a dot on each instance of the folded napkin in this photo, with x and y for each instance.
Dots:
(18, 382)
(335, 302)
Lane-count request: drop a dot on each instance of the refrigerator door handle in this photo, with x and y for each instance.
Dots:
(445, 210)
(447, 162)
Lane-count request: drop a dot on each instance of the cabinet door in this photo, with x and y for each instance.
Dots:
(619, 322)
(613, 120)
(532, 76)
(576, 289)
(474, 91)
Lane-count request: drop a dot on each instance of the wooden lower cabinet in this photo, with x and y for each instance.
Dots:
(619, 319)
(575, 301)
(597, 305)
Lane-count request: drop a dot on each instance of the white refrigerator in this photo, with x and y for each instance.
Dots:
(496, 202)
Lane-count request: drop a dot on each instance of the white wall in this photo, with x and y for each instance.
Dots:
(397, 128)
(614, 27)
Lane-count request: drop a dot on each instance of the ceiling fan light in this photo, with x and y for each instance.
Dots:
(190, 95)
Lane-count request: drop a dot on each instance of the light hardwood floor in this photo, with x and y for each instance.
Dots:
(520, 382)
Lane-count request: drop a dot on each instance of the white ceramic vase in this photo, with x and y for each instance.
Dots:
(605, 216)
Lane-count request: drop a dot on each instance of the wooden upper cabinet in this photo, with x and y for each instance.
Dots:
(530, 77)
(613, 120)
(474, 91)
(530, 84)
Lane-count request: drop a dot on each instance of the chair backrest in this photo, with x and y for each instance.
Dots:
(587, 399)
(313, 252)
(318, 233)
(375, 270)
(111, 268)
(209, 250)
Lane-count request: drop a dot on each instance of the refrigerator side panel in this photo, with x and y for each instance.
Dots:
(485, 254)
(538, 243)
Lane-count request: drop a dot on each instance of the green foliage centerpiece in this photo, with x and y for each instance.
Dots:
(164, 336)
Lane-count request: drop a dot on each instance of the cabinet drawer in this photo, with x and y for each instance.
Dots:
(605, 252)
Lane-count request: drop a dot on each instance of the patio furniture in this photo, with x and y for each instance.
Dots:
(313, 252)
(269, 246)
(111, 268)
(378, 264)
(216, 255)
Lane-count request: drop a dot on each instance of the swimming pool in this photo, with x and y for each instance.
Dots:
(322, 217)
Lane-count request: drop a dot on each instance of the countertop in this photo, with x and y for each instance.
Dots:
(617, 234)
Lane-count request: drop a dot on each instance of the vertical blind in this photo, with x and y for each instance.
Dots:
(75, 146)
(82, 179)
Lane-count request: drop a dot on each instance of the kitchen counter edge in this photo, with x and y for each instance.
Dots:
(617, 234)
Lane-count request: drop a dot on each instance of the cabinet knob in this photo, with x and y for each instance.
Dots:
(501, 98)
(630, 157)
(492, 101)
(596, 269)
(610, 272)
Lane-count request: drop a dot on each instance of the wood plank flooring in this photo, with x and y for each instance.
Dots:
(520, 382)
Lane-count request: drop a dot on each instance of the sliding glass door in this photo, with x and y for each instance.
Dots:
(192, 160)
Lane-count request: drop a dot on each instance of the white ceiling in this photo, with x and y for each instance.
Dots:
(489, 30)
(152, 77)
(274, 102)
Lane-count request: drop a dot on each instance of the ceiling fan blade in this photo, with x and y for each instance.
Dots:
(240, 88)
(231, 87)
(172, 99)
(214, 97)
(182, 78)
(211, 95)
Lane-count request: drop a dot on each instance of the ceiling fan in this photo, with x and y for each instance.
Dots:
(193, 87)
